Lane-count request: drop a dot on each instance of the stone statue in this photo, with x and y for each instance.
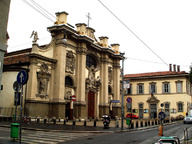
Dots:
(68, 95)
(35, 37)
(70, 62)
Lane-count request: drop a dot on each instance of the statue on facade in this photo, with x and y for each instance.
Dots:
(67, 95)
(110, 74)
(35, 37)
(70, 62)
(42, 79)
(92, 82)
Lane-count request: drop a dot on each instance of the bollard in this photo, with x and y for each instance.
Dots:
(64, 122)
(85, 123)
(73, 122)
(45, 120)
(94, 123)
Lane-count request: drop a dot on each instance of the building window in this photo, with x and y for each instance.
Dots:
(68, 81)
(1, 87)
(179, 86)
(166, 87)
(152, 87)
(167, 109)
(140, 88)
(129, 90)
(180, 106)
(90, 61)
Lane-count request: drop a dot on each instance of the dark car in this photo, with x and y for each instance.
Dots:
(133, 116)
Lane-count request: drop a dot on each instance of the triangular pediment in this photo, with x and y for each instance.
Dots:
(152, 99)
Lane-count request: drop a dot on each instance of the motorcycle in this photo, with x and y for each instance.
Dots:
(106, 121)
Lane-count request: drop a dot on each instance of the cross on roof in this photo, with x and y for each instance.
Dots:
(89, 18)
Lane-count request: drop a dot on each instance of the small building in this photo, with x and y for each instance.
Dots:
(168, 91)
(73, 63)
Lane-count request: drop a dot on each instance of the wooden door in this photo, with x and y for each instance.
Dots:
(91, 104)
(153, 111)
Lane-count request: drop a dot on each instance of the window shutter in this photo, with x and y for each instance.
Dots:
(155, 89)
(169, 89)
(130, 89)
(163, 90)
(137, 89)
(142, 89)
(149, 89)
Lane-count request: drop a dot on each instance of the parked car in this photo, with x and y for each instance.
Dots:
(170, 140)
(133, 116)
(187, 119)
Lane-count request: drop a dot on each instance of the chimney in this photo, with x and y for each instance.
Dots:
(61, 18)
(115, 47)
(90, 32)
(81, 28)
(104, 41)
(170, 67)
(174, 67)
(178, 68)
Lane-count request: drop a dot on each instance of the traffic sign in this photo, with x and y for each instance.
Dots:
(115, 101)
(73, 98)
(129, 99)
(161, 115)
(22, 77)
(16, 86)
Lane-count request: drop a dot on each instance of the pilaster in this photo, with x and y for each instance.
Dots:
(59, 76)
(80, 72)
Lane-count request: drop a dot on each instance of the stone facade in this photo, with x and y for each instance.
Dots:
(73, 63)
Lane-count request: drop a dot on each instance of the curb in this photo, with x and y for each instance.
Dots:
(110, 131)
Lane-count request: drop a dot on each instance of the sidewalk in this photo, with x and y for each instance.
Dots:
(78, 127)
(68, 127)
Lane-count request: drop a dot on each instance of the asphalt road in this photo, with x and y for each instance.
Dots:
(144, 136)
(147, 136)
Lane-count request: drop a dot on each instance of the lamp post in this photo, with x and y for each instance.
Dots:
(122, 103)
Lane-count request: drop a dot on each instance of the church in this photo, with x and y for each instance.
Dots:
(74, 63)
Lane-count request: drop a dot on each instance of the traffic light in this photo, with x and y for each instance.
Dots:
(160, 130)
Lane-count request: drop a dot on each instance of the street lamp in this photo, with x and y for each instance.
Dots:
(122, 104)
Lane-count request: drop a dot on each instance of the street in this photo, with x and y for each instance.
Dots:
(140, 136)
(146, 136)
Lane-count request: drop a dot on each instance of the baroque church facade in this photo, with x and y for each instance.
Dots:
(73, 63)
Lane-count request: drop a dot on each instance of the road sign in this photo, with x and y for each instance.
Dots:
(114, 101)
(129, 99)
(73, 98)
(161, 115)
(16, 86)
(17, 98)
(22, 77)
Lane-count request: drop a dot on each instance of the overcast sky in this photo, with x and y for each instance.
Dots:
(161, 26)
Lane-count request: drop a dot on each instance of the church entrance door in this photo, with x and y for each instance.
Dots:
(91, 104)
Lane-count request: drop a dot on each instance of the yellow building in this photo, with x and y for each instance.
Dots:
(169, 91)
(73, 63)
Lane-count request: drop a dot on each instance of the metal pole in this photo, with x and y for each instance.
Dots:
(21, 113)
(122, 104)
(73, 116)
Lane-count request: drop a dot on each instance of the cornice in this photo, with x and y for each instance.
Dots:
(34, 55)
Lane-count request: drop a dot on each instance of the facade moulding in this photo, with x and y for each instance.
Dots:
(34, 55)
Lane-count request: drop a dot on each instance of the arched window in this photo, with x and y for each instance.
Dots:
(90, 61)
(68, 81)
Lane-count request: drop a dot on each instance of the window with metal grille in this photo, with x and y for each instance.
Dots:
(180, 107)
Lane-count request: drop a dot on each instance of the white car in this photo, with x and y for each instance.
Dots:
(187, 119)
